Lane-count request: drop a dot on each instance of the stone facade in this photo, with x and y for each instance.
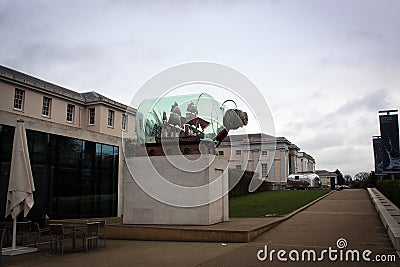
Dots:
(271, 158)
(50, 108)
(305, 163)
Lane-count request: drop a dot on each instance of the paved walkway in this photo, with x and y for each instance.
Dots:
(347, 214)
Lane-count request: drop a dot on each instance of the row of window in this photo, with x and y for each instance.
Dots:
(264, 169)
(19, 97)
(239, 152)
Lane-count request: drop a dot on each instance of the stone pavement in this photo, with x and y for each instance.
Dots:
(347, 214)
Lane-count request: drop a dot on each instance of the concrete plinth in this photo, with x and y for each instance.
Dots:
(146, 208)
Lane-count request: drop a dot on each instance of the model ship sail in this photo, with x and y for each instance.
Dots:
(197, 117)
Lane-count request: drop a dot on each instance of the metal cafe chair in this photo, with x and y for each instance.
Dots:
(40, 232)
(2, 235)
(4, 239)
(57, 236)
(91, 235)
(23, 229)
(7, 235)
(102, 231)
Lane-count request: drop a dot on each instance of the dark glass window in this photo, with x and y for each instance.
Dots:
(6, 142)
(70, 150)
(73, 178)
(38, 146)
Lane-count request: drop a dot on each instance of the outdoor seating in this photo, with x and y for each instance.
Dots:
(57, 236)
(2, 235)
(102, 231)
(39, 233)
(7, 232)
(4, 239)
(91, 236)
(23, 229)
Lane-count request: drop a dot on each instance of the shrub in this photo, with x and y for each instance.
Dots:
(391, 189)
(242, 187)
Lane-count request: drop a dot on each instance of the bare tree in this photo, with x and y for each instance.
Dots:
(362, 176)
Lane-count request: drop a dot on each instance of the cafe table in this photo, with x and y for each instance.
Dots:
(73, 229)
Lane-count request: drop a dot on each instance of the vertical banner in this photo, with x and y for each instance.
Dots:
(390, 143)
(377, 145)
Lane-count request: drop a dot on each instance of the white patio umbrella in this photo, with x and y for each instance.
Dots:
(20, 186)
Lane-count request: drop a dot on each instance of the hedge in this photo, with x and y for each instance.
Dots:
(242, 187)
(391, 189)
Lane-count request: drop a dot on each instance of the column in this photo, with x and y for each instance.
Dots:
(245, 154)
(283, 165)
(256, 154)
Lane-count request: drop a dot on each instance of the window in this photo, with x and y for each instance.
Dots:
(264, 169)
(238, 152)
(110, 119)
(264, 152)
(238, 167)
(124, 121)
(19, 99)
(46, 106)
(91, 115)
(70, 112)
(221, 153)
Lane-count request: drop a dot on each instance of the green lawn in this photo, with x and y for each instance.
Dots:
(272, 203)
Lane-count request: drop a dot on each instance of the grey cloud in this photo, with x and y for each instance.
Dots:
(347, 154)
(372, 101)
(341, 138)
(301, 47)
(366, 35)
(46, 56)
(323, 139)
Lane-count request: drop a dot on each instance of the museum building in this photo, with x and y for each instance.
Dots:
(74, 142)
(75, 148)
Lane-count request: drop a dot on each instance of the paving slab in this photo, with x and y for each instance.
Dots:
(235, 230)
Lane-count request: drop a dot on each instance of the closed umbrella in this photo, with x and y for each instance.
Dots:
(21, 186)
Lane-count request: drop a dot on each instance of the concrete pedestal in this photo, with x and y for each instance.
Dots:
(142, 208)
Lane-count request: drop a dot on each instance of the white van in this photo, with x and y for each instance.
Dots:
(304, 179)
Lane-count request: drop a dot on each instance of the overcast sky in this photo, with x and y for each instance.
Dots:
(325, 67)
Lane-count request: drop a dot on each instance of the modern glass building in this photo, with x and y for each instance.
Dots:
(75, 146)
(73, 178)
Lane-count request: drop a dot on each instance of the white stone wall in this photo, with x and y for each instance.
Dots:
(142, 208)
